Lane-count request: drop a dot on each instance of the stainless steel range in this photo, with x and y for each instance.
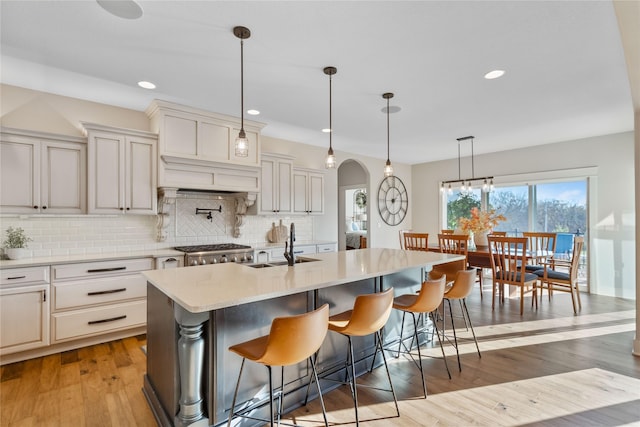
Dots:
(215, 254)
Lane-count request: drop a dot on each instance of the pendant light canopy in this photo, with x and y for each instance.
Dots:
(330, 162)
(242, 143)
(388, 169)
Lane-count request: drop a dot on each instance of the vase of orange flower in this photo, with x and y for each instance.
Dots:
(481, 223)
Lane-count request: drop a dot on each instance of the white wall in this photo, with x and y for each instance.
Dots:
(612, 199)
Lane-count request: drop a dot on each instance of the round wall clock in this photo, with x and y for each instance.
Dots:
(393, 200)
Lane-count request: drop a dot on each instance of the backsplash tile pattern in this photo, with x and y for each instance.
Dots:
(89, 234)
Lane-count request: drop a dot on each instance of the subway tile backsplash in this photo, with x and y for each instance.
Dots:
(89, 234)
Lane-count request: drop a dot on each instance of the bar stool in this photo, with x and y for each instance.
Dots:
(461, 288)
(290, 341)
(369, 315)
(426, 301)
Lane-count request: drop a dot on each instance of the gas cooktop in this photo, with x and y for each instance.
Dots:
(211, 248)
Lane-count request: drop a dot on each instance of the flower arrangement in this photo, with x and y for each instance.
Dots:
(480, 221)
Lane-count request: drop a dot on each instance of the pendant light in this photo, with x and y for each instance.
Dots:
(388, 169)
(330, 162)
(242, 143)
(466, 184)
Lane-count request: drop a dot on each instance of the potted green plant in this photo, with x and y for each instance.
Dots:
(15, 245)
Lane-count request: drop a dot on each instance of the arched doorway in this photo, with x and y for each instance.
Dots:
(353, 204)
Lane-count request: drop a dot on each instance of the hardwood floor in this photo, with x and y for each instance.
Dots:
(546, 368)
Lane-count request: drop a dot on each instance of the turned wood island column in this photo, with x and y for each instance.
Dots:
(196, 313)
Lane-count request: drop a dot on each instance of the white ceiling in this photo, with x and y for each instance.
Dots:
(565, 68)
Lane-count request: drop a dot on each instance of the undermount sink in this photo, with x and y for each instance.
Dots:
(279, 263)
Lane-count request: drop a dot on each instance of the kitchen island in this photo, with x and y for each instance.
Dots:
(196, 313)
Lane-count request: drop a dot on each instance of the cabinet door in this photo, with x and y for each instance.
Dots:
(315, 195)
(106, 173)
(140, 176)
(308, 192)
(24, 318)
(19, 176)
(300, 185)
(284, 185)
(213, 141)
(268, 189)
(63, 178)
(276, 190)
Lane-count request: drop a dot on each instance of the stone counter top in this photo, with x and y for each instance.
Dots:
(69, 259)
(211, 287)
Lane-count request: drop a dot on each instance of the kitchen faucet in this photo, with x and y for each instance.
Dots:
(288, 246)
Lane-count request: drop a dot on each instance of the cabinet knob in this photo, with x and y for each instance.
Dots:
(121, 208)
(44, 207)
(128, 208)
(35, 207)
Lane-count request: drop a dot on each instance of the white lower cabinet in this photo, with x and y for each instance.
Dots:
(327, 247)
(98, 297)
(24, 309)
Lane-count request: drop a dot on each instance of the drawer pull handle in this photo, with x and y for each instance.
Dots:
(113, 319)
(111, 291)
(104, 270)
(16, 277)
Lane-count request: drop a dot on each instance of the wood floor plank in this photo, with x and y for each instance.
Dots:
(545, 368)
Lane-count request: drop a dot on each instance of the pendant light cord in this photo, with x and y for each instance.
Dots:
(388, 130)
(330, 115)
(242, 85)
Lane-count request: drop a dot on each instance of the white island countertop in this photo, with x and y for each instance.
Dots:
(211, 287)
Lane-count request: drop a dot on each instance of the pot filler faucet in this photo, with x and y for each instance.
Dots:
(288, 246)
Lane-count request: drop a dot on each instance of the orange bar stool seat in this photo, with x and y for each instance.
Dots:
(426, 301)
(369, 315)
(291, 340)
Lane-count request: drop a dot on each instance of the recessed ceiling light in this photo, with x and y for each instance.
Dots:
(146, 85)
(326, 130)
(126, 9)
(253, 112)
(494, 74)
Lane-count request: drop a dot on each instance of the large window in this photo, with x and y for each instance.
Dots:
(558, 207)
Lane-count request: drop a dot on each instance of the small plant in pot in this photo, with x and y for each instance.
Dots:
(15, 244)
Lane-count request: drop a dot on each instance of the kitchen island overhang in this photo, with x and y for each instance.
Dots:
(194, 313)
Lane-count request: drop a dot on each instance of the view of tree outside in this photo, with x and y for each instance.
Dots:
(513, 203)
(459, 206)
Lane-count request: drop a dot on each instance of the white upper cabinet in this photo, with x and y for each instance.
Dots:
(308, 191)
(42, 173)
(276, 194)
(122, 171)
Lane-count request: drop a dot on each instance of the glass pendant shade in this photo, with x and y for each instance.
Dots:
(242, 144)
(330, 161)
(388, 169)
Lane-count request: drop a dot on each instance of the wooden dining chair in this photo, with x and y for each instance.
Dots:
(508, 260)
(447, 231)
(542, 246)
(401, 235)
(452, 244)
(416, 241)
(555, 280)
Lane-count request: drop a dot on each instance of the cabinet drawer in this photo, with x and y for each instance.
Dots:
(303, 250)
(81, 323)
(327, 247)
(30, 275)
(101, 268)
(98, 291)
